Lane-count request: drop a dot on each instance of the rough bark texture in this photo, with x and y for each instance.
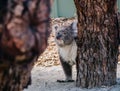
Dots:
(97, 43)
(24, 30)
(119, 25)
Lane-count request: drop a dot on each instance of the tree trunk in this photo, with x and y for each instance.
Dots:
(24, 30)
(119, 27)
(97, 43)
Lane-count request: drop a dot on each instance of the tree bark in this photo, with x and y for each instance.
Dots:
(97, 43)
(119, 25)
(24, 30)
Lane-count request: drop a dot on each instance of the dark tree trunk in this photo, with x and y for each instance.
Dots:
(119, 26)
(97, 43)
(24, 30)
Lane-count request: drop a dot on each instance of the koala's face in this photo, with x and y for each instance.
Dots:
(64, 36)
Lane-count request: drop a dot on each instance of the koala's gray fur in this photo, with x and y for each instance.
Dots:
(67, 48)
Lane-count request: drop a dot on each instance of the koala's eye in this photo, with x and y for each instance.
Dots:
(58, 33)
(64, 32)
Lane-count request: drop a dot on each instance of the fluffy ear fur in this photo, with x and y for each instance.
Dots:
(55, 27)
(74, 25)
(74, 28)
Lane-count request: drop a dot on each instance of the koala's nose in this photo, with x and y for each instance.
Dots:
(58, 36)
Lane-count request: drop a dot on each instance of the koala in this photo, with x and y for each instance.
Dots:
(67, 48)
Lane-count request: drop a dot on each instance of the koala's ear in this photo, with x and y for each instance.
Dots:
(74, 25)
(55, 27)
(74, 28)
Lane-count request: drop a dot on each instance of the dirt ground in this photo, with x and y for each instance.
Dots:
(47, 69)
(44, 79)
